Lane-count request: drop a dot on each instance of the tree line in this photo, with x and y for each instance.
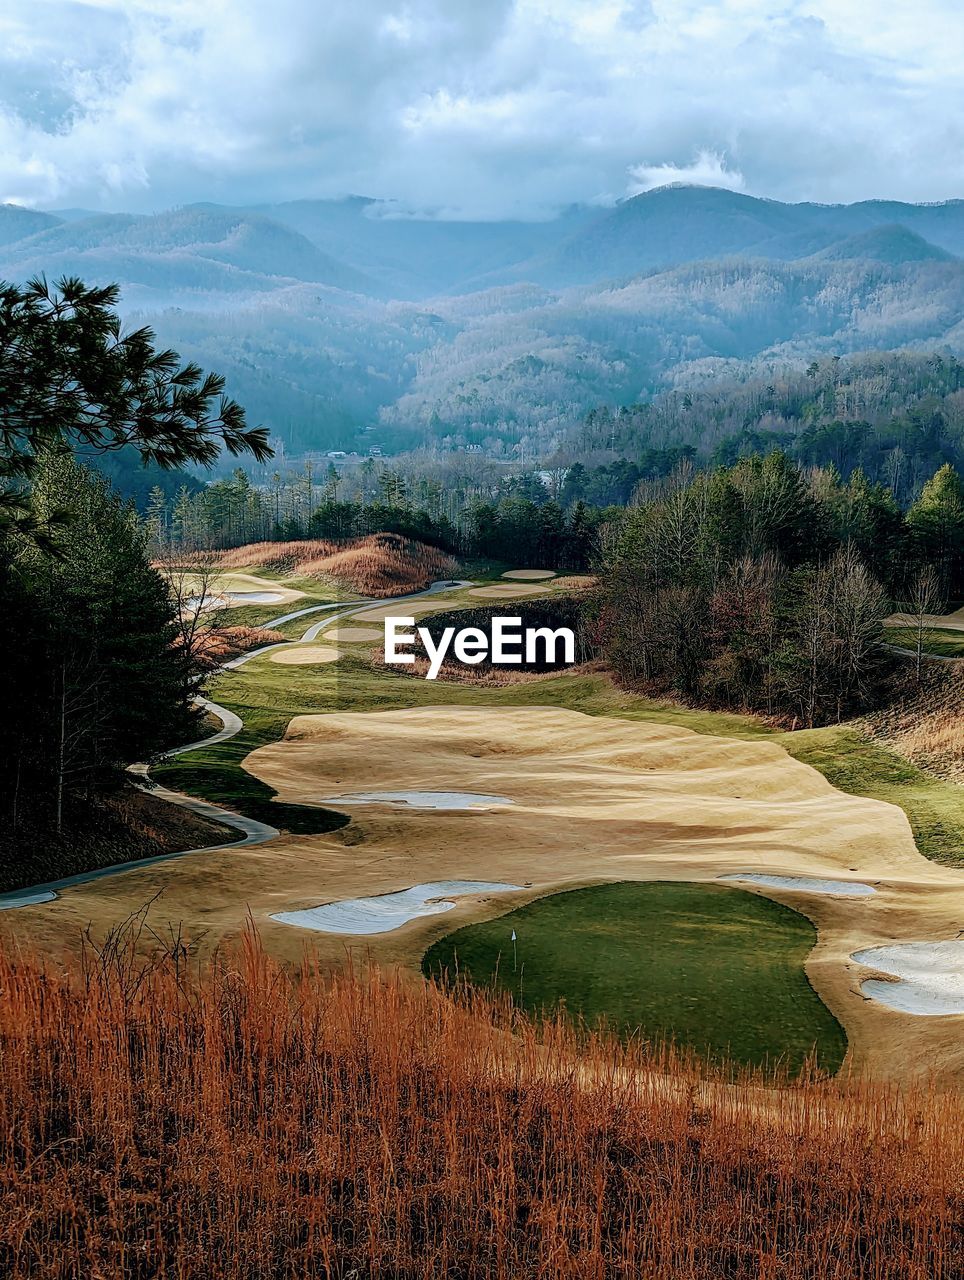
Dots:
(763, 586)
(895, 416)
(93, 676)
(513, 518)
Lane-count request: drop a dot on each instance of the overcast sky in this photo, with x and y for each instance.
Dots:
(476, 107)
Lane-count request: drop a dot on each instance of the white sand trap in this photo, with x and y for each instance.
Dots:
(28, 898)
(530, 575)
(305, 655)
(388, 911)
(255, 597)
(354, 635)
(233, 599)
(421, 799)
(807, 884)
(931, 976)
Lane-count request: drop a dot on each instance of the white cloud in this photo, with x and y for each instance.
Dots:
(707, 170)
(511, 106)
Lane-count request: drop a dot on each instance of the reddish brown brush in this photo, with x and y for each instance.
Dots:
(383, 564)
(241, 1124)
(215, 645)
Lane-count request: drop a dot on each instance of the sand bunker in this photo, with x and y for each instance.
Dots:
(354, 635)
(421, 799)
(930, 977)
(232, 599)
(401, 609)
(305, 655)
(530, 575)
(807, 884)
(504, 591)
(388, 911)
(255, 597)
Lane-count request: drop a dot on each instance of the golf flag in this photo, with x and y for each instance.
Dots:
(513, 935)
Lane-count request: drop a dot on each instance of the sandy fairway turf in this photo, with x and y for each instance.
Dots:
(595, 800)
(942, 622)
(304, 655)
(507, 591)
(232, 590)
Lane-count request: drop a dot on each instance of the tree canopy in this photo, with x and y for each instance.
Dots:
(70, 377)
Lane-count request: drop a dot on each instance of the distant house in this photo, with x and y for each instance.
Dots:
(335, 454)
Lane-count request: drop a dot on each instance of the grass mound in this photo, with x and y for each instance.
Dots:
(716, 969)
(240, 1124)
(382, 564)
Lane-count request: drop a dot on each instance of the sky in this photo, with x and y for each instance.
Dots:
(476, 108)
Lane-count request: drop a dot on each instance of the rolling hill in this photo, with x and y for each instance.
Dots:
(330, 317)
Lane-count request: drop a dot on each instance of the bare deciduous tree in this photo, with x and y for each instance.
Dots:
(923, 599)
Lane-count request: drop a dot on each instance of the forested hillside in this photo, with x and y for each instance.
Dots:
(896, 417)
(343, 324)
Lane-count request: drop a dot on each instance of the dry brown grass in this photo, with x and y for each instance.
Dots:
(120, 826)
(215, 645)
(382, 564)
(927, 726)
(154, 1123)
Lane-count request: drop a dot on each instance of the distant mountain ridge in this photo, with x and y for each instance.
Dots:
(360, 245)
(342, 323)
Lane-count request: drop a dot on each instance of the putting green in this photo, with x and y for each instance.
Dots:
(717, 969)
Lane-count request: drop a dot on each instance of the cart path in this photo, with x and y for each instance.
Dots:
(252, 831)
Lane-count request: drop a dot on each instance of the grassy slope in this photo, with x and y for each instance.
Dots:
(945, 643)
(849, 760)
(717, 969)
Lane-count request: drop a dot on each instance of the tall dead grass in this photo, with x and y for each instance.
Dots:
(927, 726)
(239, 1124)
(216, 645)
(382, 564)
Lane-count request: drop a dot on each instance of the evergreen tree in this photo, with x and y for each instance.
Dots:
(936, 523)
(95, 678)
(70, 376)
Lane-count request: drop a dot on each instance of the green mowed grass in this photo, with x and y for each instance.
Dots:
(852, 762)
(941, 641)
(216, 774)
(716, 969)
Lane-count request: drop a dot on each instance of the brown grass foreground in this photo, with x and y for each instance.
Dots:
(383, 564)
(157, 1123)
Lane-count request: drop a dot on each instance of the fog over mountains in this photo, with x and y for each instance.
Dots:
(340, 325)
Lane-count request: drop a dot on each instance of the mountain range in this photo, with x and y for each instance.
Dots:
(340, 323)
